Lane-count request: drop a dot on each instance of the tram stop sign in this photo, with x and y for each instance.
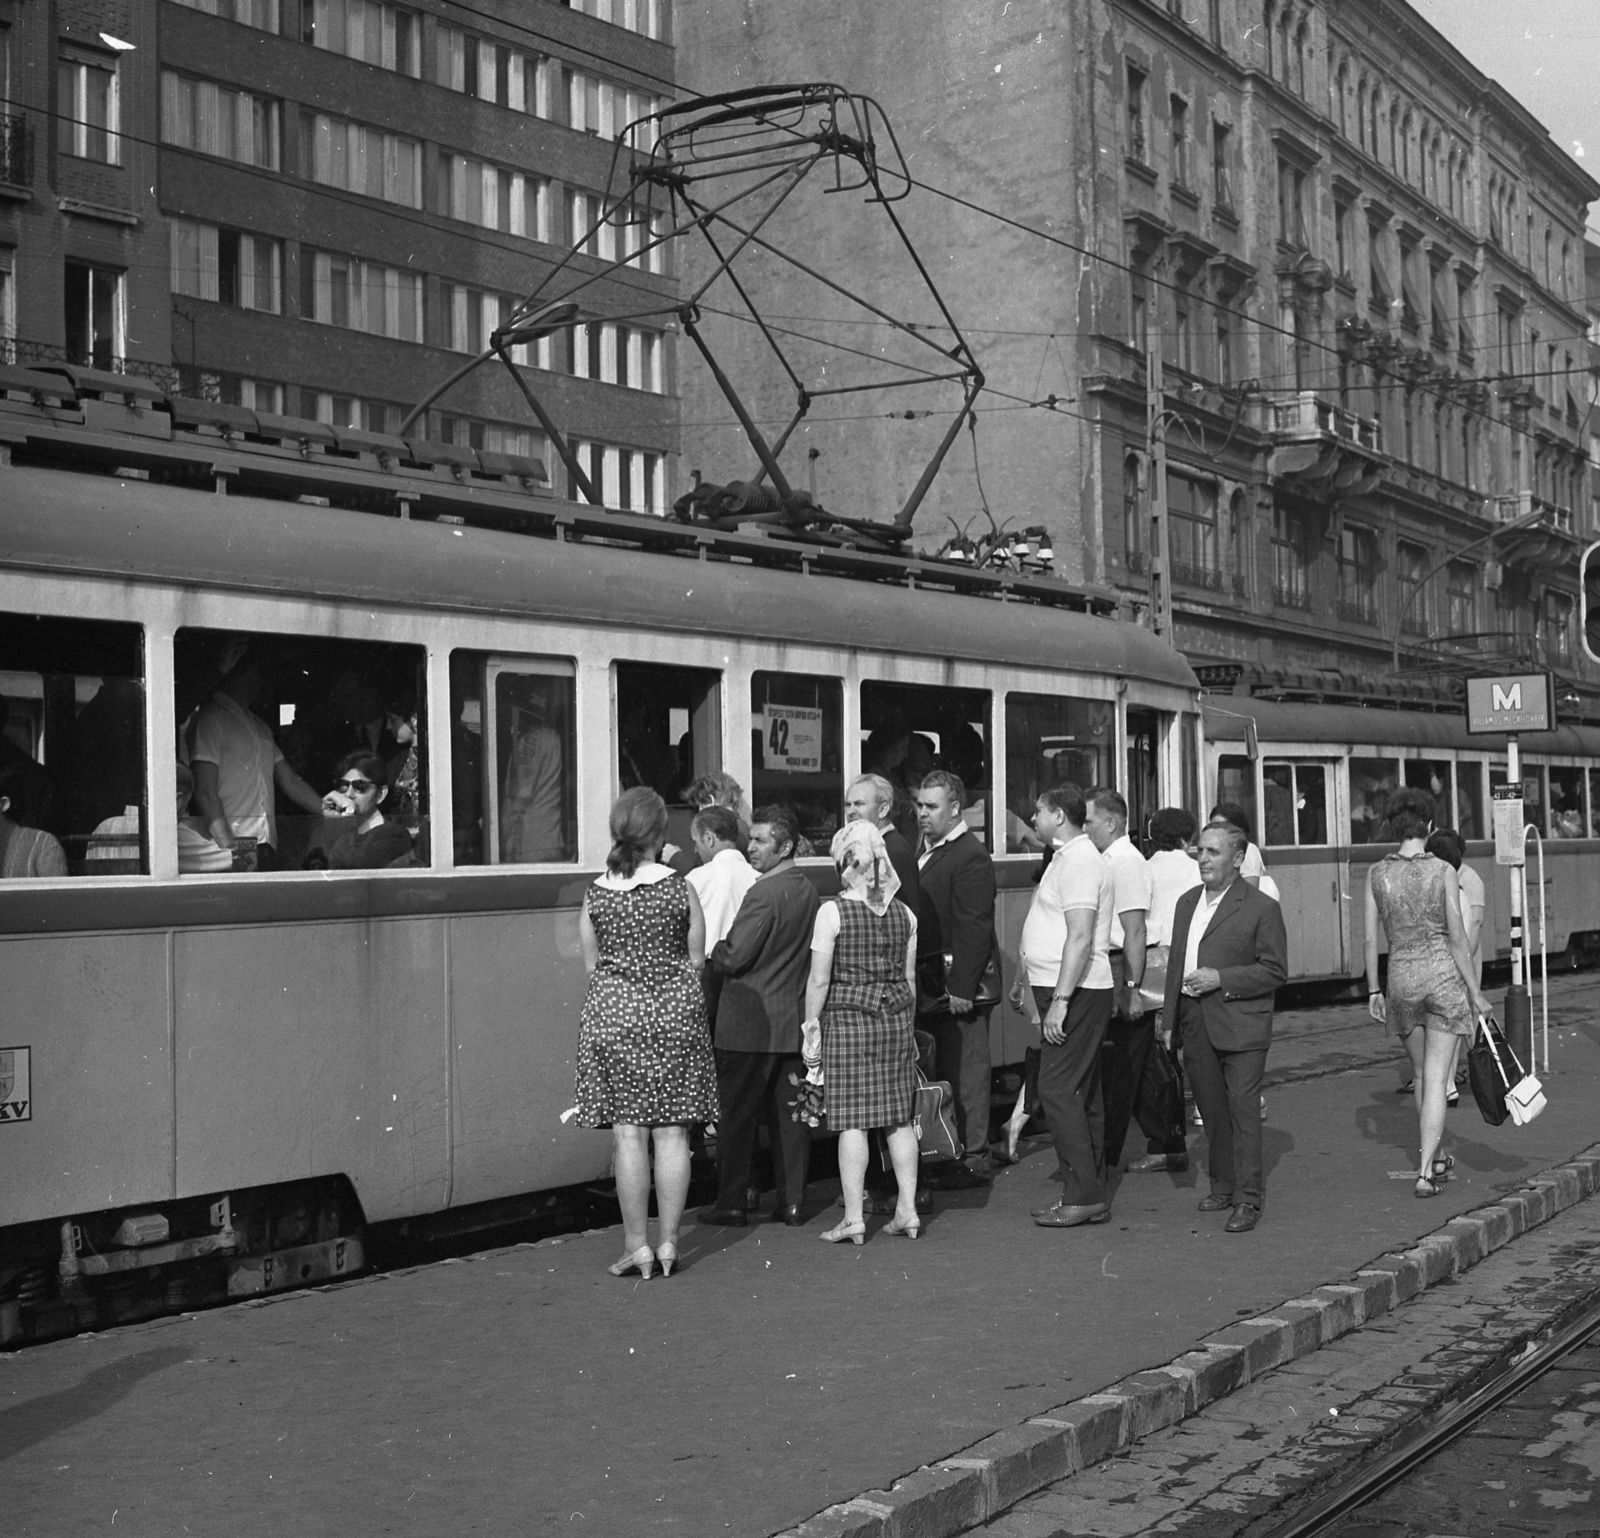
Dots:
(1507, 703)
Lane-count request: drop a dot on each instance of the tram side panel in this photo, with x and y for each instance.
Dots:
(95, 1128)
(314, 1049)
(516, 989)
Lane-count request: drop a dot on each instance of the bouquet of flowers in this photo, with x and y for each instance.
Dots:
(808, 1104)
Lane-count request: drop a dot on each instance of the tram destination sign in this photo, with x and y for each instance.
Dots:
(1503, 703)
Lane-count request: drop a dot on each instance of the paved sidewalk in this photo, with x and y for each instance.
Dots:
(526, 1390)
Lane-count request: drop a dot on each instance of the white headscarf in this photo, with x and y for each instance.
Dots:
(865, 869)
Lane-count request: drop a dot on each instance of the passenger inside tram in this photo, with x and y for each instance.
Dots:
(1052, 741)
(25, 852)
(912, 729)
(198, 852)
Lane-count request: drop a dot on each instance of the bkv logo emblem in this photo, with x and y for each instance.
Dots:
(16, 1093)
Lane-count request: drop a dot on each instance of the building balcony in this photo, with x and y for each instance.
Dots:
(1304, 416)
(1288, 594)
(1356, 611)
(1196, 576)
(1523, 504)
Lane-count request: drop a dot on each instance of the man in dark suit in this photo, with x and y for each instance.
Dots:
(763, 961)
(955, 918)
(1229, 956)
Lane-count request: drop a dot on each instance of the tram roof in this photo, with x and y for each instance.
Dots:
(111, 527)
(1363, 726)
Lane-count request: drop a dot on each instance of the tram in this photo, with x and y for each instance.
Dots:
(244, 1067)
(1316, 781)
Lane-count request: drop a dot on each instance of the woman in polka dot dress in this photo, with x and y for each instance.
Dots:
(645, 1067)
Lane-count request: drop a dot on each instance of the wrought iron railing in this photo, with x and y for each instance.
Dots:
(1359, 611)
(21, 350)
(1291, 595)
(1196, 576)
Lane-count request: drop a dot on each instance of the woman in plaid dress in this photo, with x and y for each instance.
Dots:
(860, 1000)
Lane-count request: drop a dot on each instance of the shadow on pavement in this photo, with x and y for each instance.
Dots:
(32, 1421)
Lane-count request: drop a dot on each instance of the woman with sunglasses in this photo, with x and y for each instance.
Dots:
(360, 784)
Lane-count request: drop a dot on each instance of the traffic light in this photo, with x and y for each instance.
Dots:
(1589, 600)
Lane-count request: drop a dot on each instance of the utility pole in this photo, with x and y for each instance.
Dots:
(1160, 539)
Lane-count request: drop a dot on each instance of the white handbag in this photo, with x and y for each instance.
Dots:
(1524, 1099)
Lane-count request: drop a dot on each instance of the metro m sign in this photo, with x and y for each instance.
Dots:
(1511, 702)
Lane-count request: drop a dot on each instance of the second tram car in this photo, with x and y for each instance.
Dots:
(242, 1066)
(1316, 780)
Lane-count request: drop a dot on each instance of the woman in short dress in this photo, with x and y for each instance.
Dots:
(645, 1067)
(861, 993)
(1433, 996)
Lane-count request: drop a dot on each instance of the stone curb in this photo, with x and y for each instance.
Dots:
(978, 1483)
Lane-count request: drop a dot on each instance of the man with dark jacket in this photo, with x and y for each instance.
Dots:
(1230, 954)
(955, 919)
(763, 962)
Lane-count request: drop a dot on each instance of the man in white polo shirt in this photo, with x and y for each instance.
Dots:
(1065, 941)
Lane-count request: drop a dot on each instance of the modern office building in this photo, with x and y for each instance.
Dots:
(321, 208)
(1360, 260)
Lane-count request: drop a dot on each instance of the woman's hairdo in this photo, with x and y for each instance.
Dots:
(1447, 845)
(1231, 811)
(1411, 812)
(714, 789)
(638, 825)
(371, 766)
(1172, 828)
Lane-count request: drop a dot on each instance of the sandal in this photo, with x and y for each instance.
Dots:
(1442, 1166)
(1427, 1187)
(1452, 1098)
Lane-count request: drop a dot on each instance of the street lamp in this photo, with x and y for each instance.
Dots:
(1516, 526)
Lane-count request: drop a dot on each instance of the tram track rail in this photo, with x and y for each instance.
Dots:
(1381, 1472)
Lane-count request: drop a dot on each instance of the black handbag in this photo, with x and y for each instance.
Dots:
(1158, 1101)
(933, 986)
(1485, 1069)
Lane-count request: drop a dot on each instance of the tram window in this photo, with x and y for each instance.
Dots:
(1052, 741)
(1433, 776)
(1566, 802)
(1144, 728)
(72, 751)
(1296, 798)
(1594, 803)
(1532, 791)
(513, 759)
(267, 723)
(910, 729)
(1236, 782)
(669, 733)
(796, 749)
(1469, 799)
(1372, 782)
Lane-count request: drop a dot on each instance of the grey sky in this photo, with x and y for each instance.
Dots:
(1546, 53)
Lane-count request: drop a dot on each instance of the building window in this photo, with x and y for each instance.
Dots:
(386, 35)
(1466, 343)
(1134, 525)
(1238, 550)
(1183, 325)
(366, 416)
(619, 355)
(647, 17)
(605, 108)
(339, 153)
(1137, 148)
(1291, 586)
(496, 199)
(1180, 141)
(1343, 236)
(628, 231)
(1380, 296)
(88, 108)
(267, 15)
(1416, 602)
(1224, 325)
(215, 120)
(491, 71)
(363, 296)
(95, 323)
(631, 479)
(497, 438)
(1221, 153)
(1192, 531)
(471, 317)
(1557, 627)
(228, 266)
(1292, 230)
(8, 308)
(1358, 574)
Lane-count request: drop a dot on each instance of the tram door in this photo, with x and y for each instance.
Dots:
(1143, 788)
(1300, 844)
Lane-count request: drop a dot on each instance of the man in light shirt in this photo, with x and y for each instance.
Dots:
(1130, 1033)
(1065, 943)
(1235, 956)
(723, 875)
